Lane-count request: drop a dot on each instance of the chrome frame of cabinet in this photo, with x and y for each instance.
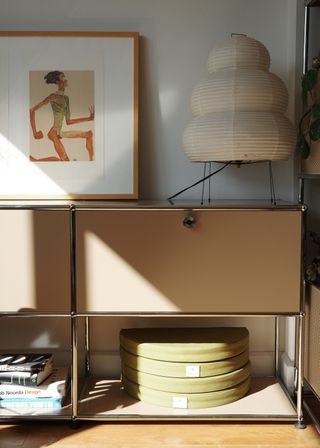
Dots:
(74, 316)
(299, 333)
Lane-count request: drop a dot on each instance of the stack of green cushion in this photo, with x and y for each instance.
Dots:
(185, 367)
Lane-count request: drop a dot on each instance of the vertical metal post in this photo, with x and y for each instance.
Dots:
(300, 329)
(209, 190)
(306, 38)
(87, 345)
(203, 182)
(74, 322)
(301, 190)
(74, 377)
(277, 346)
(273, 199)
(300, 325)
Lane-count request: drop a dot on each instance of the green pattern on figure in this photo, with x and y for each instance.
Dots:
(61, 110)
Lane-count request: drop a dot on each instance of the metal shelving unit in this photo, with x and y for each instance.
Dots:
(268, 401)
(103, 398)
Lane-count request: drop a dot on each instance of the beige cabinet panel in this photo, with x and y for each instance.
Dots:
(35, 261)
(233, 261)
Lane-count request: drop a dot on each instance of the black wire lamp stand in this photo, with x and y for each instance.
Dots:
(208, 175)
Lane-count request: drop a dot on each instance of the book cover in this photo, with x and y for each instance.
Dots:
(26, 378)
(39, 403)
(26, 362)
(55, 386)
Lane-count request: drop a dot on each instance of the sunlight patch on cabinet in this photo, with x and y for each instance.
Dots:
(136, 290)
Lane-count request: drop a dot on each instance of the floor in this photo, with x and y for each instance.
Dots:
(154, 435)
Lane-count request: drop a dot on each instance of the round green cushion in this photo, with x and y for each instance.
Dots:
(193, 401)
(187, 385)
(180, 369)
(197, 344)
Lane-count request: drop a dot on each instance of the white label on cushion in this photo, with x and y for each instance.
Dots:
(180, 402)
(193, 371)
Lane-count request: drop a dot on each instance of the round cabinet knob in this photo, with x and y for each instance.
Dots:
(189, 222)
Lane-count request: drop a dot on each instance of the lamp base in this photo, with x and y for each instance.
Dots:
(207, 177)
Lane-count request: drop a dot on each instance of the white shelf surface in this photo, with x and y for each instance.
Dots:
(103, 398)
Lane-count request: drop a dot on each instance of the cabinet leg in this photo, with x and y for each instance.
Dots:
(75, 424)
(300, 424)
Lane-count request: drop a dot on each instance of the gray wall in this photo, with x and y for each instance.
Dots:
(176, 37)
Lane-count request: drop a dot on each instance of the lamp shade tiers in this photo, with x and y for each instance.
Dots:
(238, 52)
(239, 90)
(239, 136)
(239, 109)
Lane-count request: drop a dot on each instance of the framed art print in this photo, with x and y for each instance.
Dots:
(68, 115)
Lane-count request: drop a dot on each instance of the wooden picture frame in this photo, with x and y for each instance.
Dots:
(69, 115)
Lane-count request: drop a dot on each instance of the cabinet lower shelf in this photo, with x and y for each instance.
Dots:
(105, 399)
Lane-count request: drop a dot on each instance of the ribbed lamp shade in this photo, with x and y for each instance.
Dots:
(238, 52)
(238, 110)
(239, 90)
(241, 136)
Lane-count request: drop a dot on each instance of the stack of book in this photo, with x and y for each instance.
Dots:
(31, 381)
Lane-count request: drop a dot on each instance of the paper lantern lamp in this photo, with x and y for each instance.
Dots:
(239, 109)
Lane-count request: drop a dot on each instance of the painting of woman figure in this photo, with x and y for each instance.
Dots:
(58, 116)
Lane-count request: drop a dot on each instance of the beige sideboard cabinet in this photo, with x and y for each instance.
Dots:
(96, 263)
